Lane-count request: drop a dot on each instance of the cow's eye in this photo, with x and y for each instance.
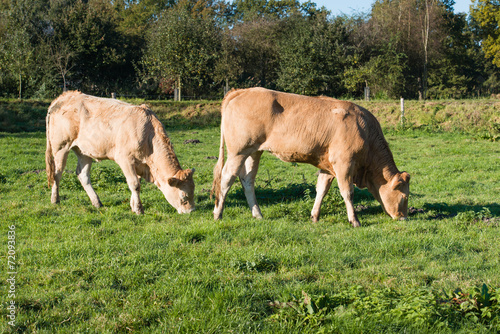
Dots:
(184, 200)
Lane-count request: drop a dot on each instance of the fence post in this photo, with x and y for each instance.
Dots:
(226, 87)
(402, 112)
(367, 93)
(113, 95)
(179, 89)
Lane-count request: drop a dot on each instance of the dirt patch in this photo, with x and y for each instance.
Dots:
(192, 141)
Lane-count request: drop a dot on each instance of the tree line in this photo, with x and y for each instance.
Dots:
(401, 48)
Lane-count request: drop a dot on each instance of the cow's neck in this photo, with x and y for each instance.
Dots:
(163, 162)
(383, 167)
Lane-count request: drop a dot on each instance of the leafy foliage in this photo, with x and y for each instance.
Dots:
(183, 48)
(414, 308)
(487, 15)
(409, 48)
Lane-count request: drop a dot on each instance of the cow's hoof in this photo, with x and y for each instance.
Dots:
(138, 211)
(217, 216)
(356, 224)
(314, 219)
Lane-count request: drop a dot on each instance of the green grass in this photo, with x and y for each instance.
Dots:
(82, 269)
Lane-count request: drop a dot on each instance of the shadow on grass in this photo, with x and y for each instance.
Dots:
(293, 192)
(23, 135)
(438, 211)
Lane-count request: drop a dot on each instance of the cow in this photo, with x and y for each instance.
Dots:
(342, 139)
(132, 136)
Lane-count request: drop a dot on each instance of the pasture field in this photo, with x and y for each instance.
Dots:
(85, 270)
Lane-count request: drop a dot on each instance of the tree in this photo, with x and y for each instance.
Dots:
(229, 65)
(258, 51)
(487, 15)
(16, 51)
(183, 47)
(18, 55)
(90, 30)
(460, 71)
(62, 59)
(311, 55)
(416, 29)
(250, 10)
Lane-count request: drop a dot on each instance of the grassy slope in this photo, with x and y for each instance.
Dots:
(82, 269)
(481, 117)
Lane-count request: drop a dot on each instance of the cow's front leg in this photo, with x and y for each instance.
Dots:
(83, 171)
(134, 185)
(325, 180)
(229, 173)
(346, 187)
(247, 178)
(347, 192)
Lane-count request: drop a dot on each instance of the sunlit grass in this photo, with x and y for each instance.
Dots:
(107, 270)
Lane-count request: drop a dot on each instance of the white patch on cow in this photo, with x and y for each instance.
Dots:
(339, 111)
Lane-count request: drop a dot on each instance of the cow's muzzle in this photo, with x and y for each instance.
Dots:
(186, 210)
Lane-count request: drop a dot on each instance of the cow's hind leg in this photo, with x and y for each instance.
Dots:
(60, 158)
(247, 178)
(346, 187)
(324, 182)
(83, 171)
(230, 171)
(134, 185)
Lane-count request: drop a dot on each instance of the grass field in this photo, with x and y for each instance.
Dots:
(87, 270)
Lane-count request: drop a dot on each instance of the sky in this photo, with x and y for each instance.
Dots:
(349, 7)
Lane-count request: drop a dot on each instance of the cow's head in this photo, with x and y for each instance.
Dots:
(179, 190)
(394, 196)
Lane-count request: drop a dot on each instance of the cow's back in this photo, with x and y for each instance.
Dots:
(100, 128)
(293, 127)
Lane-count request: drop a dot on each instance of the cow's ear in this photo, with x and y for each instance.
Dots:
(184, 174)
(406, 177)
(189, 173)
(173, 182)
(399, 179)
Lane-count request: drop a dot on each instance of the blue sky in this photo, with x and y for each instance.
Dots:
(338, 7)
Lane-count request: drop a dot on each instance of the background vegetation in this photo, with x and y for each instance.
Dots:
(82, 269)
(410, 48)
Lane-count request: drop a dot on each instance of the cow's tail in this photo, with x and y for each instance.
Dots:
(216, 186)
(49, 158)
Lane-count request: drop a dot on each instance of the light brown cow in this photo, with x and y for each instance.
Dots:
(340, 138)
(132, 136)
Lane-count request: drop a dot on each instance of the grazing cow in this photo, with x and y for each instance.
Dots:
(132, 136)
(340, 138)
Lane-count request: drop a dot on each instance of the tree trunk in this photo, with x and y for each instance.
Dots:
(20, 86)
(64, 83)
(425, 39)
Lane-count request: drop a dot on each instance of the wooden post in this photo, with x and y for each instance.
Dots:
(179, 89)
(402, 112)
(113, 95)
(367, 93)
